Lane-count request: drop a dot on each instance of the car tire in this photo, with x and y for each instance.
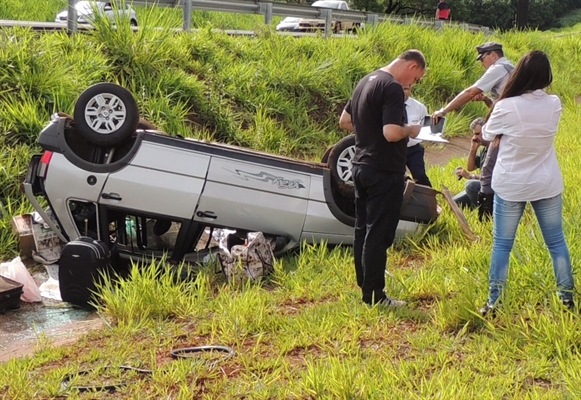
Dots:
(339, 162)
(106, 114)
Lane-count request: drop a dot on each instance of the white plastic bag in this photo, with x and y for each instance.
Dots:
(51, 289)
(17, 271)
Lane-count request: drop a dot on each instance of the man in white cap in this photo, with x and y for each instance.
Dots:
(498, 68)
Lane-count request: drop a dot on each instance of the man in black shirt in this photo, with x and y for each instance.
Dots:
(375, 113)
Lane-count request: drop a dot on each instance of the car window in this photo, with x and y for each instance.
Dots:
(84, 215)
(87, 6)
(137, 233)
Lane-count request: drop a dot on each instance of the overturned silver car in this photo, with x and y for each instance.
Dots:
(148, 194)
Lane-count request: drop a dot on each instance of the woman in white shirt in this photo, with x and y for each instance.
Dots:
(525, 120)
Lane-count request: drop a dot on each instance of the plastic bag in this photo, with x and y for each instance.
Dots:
(51, 289)
(17, 271)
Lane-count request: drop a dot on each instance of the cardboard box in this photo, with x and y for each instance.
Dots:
(22, 229)
(35, 237)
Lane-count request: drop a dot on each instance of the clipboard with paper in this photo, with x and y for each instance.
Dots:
(432, 132)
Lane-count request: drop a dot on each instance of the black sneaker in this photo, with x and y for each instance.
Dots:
(486, 309)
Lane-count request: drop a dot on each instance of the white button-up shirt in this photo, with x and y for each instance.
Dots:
(526, 168)
(416, 112)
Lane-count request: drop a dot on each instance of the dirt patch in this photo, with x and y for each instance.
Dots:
(439, 154)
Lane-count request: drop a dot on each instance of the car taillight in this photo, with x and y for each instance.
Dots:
(43, 164)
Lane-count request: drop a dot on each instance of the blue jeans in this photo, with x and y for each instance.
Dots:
(507, 215)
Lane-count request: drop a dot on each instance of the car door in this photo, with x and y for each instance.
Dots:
(162, 179)
(243, 194)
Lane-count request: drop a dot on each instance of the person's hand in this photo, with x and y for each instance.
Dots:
(461, 173)
(485, 204)
(482, 97)
(414, 130)
(476, 142)
(437, 115)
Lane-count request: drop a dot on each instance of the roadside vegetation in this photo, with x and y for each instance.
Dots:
(303, 333)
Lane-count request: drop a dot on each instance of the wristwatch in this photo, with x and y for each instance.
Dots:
(472, 176)
(442, 110)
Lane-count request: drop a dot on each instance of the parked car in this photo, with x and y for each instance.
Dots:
(313, 25)
(86, 11)
(149, 194)
(289, 24)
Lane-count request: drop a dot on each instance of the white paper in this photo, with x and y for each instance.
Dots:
(427, 135)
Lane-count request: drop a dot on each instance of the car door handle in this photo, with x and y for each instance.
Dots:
(206, 214)
(111, 196)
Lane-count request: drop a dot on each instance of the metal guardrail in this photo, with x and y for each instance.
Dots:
(266, 8)
(270, 8)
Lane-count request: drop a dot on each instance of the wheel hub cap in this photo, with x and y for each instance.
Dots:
(105, 113)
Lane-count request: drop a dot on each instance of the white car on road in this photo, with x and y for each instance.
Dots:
(86, 11)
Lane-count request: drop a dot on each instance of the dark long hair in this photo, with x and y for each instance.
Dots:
(532, 72)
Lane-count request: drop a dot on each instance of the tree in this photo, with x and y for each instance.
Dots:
(522, 13)
(498, 14)
(366, 5)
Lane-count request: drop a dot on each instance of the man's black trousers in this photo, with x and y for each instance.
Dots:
(416, 164)
(378, 200)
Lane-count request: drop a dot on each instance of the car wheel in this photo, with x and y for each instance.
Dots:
(106, 114)
(339, 163)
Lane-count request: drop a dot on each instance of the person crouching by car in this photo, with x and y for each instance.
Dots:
(478, 151)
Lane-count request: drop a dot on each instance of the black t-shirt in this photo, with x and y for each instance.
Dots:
(378, 100)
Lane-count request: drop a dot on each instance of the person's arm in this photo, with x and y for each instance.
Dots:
(496, 124)
(345, 121)
(462, 98)
(482, 97)
(471, 163)
(395, 133)
(462, 173)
